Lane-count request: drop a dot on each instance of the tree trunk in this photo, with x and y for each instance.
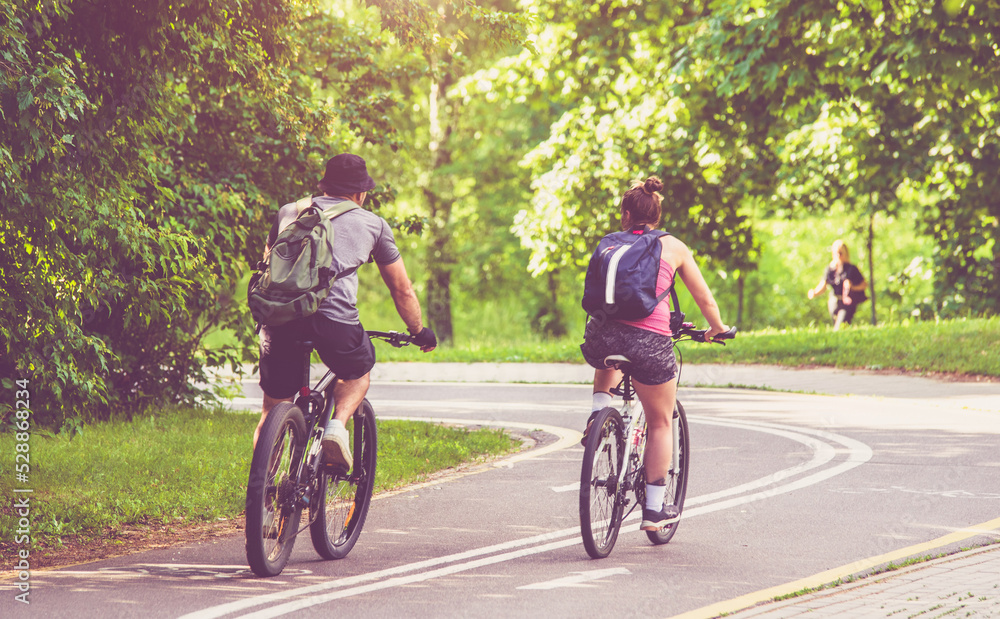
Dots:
(439, 297)
(871, 255)
(740, 289)
(549, 319)
(439, 265)
(439, 260)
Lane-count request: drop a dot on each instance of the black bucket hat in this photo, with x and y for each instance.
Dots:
(346, 174)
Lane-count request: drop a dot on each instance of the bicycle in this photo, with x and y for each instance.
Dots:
(613, 460)
(287, 475)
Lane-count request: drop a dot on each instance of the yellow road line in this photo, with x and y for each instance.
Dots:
(824, 578)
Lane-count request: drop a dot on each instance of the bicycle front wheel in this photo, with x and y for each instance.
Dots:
(677, 477)
(600, 495)
(272, 507)
(343, 498)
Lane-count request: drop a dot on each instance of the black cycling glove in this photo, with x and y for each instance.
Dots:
(425, 339)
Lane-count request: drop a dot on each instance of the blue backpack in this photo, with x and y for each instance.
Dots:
(621, 277)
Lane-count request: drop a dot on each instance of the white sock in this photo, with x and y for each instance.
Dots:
(654, 496)
(335, 426)
(601, 400)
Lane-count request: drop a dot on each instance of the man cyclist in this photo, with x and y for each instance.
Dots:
(360, 236)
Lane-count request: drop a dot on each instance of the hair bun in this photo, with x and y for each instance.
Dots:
(652, 185)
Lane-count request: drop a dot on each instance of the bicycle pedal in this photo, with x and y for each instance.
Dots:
(334, 469)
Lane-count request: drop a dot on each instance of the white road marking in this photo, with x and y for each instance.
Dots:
(399, 581)
(857, 453)
(948, 494)
(578, 579)
(453, 406)
(573, 487)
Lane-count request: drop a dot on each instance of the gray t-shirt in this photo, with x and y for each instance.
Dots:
(359, 236)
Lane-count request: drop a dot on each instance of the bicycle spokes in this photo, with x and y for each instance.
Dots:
(601, 484)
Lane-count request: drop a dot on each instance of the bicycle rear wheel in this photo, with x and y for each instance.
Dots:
(272, 508)
(600, 495)
(677, 477)
(342, 499)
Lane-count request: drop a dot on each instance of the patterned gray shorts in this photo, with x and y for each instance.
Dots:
(651, 354)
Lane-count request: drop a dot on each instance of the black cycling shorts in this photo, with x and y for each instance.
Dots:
(651, 354)
(345, 349)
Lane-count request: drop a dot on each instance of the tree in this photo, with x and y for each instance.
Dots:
(427, 158)
(910, 90)
(632, 110)
(143, 155)
(471, 40)
(125, 190)
(744, 107)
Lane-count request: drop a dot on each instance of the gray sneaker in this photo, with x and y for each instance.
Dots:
(336, 446)
(655, 520)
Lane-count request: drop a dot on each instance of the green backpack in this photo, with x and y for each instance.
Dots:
(295, 275)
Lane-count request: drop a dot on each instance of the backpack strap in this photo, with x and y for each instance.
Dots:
(337, 209)
(330, 213)
(669, 291)
(340, 208)
(303, 204)
(673, 295)
(676, 315)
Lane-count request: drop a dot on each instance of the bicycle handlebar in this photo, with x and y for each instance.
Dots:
(698, 335)
(394, 338)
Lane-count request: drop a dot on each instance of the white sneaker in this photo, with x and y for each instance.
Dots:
(336, 445)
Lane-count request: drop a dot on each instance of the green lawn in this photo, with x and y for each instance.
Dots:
(189, 466)
(969, 346)
(955, 346)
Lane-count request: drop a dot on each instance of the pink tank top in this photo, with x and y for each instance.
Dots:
(659, 320)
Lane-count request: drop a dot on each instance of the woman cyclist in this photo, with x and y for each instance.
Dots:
(648, 346)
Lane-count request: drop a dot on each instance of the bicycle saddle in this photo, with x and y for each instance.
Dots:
(615, 361)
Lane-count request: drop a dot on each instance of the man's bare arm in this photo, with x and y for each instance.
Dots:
(401, 288)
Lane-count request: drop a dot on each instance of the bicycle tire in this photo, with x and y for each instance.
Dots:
(601, 497)
(272, 509)
(676, 480)
(342, 499)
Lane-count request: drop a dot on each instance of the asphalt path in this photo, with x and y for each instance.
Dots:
(782, 486)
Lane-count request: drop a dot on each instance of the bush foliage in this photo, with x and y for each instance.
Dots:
(143, 151)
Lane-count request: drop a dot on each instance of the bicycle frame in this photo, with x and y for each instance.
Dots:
(288, 475)
(634, 419)
(317, 406)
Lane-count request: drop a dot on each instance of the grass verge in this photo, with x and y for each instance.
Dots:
(966, 346)
(186, 466)
(969, 347)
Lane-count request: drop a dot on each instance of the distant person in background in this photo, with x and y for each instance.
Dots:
(847, 286)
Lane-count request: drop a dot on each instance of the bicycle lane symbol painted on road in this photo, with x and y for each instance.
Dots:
(826, 446)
